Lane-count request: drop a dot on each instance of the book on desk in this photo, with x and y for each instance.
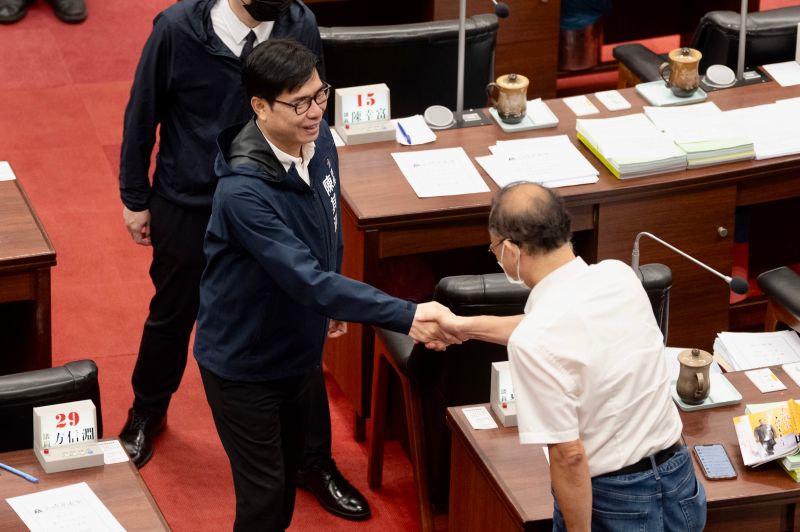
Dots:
(630, 145)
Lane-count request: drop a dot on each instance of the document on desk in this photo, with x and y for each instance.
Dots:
(443, 172)
(6, 173)
(774, 127)
(630, 145)
(786, 73)
(413, 130)
(550, 161)
(703, 132)
(757, 350)
(72, 508)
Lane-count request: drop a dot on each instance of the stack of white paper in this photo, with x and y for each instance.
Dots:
(742, 351)
(630, 145)
(549, 161)
(703, 131)
(774, 127)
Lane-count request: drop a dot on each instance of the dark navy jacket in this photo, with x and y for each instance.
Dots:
(273, 249)
(190, 83)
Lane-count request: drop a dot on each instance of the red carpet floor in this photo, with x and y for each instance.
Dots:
(63, 91)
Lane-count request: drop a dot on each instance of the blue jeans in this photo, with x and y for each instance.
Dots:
(667, 498)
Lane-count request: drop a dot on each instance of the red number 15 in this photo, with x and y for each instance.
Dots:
(62, 419)
(366, 99)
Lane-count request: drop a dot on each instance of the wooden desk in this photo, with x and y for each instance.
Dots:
(498, 484)
(119, 486)
(26, 256)
(692, 209)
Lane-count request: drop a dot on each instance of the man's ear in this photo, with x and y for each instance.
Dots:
(260, 107)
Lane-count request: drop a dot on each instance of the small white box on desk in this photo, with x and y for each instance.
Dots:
(65, 436)
(503, 404)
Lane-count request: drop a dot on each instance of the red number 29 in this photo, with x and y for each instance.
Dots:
(61, 420)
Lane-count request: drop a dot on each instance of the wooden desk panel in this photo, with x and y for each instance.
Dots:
(26, 256)
(383, 217)
(119, 486)
(495, 479)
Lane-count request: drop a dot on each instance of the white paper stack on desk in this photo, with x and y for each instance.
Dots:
(550, 161)
(774, 128)
(743, 351)
(630, 145)
(704, 132)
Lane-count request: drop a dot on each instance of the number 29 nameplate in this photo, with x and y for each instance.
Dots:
(65, 436)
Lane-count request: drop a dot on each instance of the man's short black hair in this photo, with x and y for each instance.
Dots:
(532, 216)
(277, 65)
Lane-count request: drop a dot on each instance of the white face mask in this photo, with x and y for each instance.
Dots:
(511, 280)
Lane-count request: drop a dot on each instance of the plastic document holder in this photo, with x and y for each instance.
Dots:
(658, 94)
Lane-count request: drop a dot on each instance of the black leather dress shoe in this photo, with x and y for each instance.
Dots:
(138, 434)
(334, 492)
(13, 10)
(71, 11)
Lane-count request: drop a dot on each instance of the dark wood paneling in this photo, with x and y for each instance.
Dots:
(689, 221)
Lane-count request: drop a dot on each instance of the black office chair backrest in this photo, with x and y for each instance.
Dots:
(21, 392)
(771, 37)
(417, 61)
(657, 280)
(782, 288)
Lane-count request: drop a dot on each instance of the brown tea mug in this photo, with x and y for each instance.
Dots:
(682, 73)
(693, 385)
(509, 96)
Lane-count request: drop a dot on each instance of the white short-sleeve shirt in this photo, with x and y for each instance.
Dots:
(587, 363)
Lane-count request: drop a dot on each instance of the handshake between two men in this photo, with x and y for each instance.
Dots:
(437, 327)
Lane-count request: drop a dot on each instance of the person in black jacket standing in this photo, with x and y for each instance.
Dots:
(271, 291)
(188, 87)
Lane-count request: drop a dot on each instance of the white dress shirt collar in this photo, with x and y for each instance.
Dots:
(233, 31)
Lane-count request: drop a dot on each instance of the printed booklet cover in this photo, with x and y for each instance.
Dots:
(769, 434)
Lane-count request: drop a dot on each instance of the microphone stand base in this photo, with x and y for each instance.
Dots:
(470, 118)
(751, 77)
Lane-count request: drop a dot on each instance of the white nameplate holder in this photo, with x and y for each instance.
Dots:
(65, 436)
(363, 114)
(503, 403)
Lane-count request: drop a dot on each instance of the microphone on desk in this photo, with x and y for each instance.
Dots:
(737, 284)
(501, 9)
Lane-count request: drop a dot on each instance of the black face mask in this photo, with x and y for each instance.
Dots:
(263, 10)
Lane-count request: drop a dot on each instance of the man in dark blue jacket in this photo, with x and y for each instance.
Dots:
(188, 83)
(271, 291)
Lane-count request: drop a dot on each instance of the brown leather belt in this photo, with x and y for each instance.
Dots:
(644, 464)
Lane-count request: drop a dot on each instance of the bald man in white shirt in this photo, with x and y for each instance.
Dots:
(589, 377)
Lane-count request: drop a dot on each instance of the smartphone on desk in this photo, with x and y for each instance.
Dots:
(714, 461)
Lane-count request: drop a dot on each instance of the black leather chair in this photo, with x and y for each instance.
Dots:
(771, 38)
(432, 381)
(782, 288)
(21, 392)
(417, 61)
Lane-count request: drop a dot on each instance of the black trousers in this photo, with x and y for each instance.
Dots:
(177, 235)
(262, 427)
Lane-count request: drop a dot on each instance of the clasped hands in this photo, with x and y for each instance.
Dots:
(435, 326)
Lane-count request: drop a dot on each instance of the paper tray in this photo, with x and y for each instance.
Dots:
(526, 124)
(722, 393)
(657, 93)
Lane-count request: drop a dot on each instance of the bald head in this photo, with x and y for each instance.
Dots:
(532, 216)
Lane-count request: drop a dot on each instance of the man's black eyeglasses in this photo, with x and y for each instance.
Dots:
(302, 105)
